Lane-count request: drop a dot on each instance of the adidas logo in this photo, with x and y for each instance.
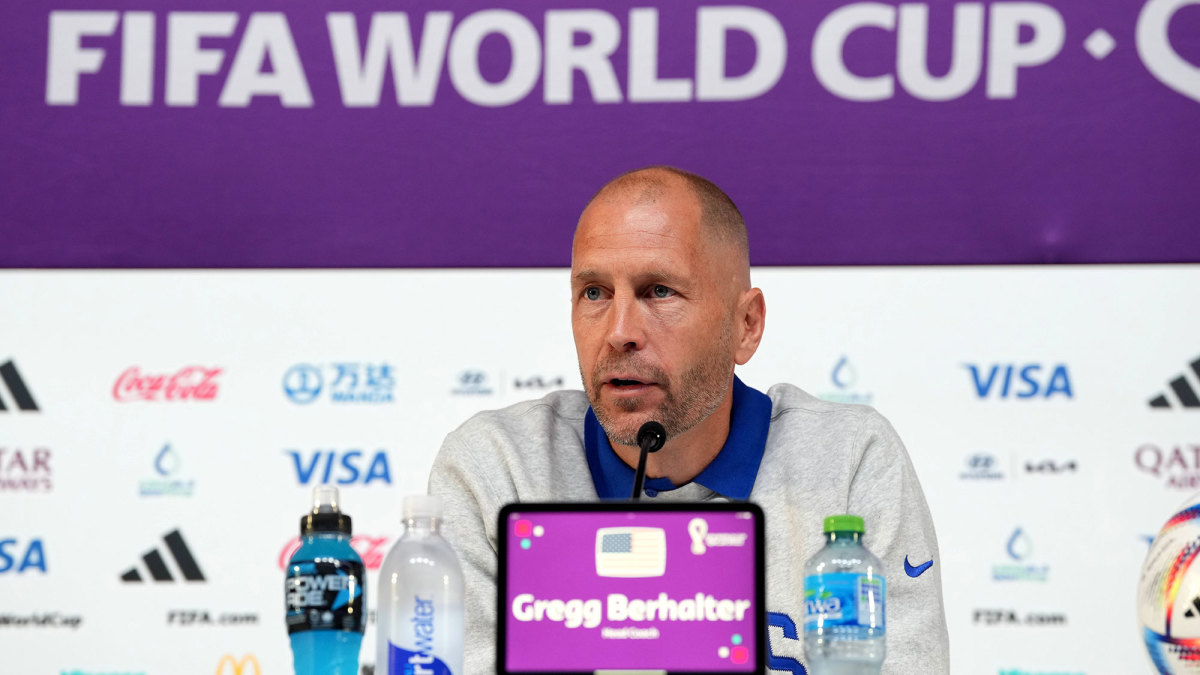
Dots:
(16, 388)
(1192, 611)
(184, 561)
(1182, 389)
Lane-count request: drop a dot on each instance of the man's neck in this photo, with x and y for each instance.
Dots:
(684, 457)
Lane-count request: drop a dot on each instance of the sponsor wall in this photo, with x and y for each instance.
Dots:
(157, 453)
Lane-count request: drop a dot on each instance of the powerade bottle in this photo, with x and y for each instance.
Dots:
(844, 629)
(323, 592)
(420, 611)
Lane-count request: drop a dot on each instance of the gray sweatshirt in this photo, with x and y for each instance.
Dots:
(817, 459)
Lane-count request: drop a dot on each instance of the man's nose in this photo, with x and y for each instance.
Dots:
(626, 325)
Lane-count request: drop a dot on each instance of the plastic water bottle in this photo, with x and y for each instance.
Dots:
(324, 592)
(420, 611)
(844, 629)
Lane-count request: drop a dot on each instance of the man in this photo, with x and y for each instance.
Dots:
(662, 311)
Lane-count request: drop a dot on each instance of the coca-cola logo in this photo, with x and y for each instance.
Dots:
(370, 549)
(190, 383)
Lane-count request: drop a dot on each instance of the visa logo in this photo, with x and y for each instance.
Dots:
(33, 556)
(1010, 380)
(342, 468)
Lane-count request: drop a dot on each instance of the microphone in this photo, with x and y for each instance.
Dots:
(650, 438)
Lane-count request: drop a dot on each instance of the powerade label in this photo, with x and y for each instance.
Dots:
(325, 595)
(403, 662)
(844, 599)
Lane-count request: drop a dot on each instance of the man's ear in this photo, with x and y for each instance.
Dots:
(749, 321)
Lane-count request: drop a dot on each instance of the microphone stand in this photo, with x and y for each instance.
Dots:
(651, 437)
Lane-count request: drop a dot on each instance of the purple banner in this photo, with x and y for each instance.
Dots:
(200, 133)
(611, 590)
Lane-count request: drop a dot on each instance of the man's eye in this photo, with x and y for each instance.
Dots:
(660, 291)
(591, 293)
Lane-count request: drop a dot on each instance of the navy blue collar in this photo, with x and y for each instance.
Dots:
(732, 472)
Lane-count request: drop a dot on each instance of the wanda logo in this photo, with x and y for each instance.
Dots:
(190, 383)
(370, 549)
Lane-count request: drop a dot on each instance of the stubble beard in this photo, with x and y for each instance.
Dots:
(699, 392)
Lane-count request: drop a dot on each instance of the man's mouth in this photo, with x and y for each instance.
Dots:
(626, 382)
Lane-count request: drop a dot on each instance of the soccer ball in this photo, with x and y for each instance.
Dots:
(1169, 594)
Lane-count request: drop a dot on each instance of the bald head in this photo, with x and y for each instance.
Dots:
(719, 216)
(662, 307)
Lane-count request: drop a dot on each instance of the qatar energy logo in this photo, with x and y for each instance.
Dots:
(845, 380)
(168, 483)
(1020, 550)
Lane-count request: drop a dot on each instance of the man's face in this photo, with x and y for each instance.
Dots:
(652, 305)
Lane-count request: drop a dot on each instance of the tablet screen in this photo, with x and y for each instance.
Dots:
(587, 587)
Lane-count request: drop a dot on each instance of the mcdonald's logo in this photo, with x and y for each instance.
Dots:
(228, 665)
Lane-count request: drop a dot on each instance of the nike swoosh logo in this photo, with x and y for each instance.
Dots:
(917, 571)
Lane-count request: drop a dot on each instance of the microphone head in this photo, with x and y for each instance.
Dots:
(651, 436)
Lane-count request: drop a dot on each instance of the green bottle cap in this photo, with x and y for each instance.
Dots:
(844, 523)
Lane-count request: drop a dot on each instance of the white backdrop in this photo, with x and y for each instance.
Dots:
(1042, 509)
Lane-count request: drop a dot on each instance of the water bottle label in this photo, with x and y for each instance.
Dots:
(325, 595)
(403, 662)
(843, 599)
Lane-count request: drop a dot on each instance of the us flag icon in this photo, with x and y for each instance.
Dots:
(631, 552)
